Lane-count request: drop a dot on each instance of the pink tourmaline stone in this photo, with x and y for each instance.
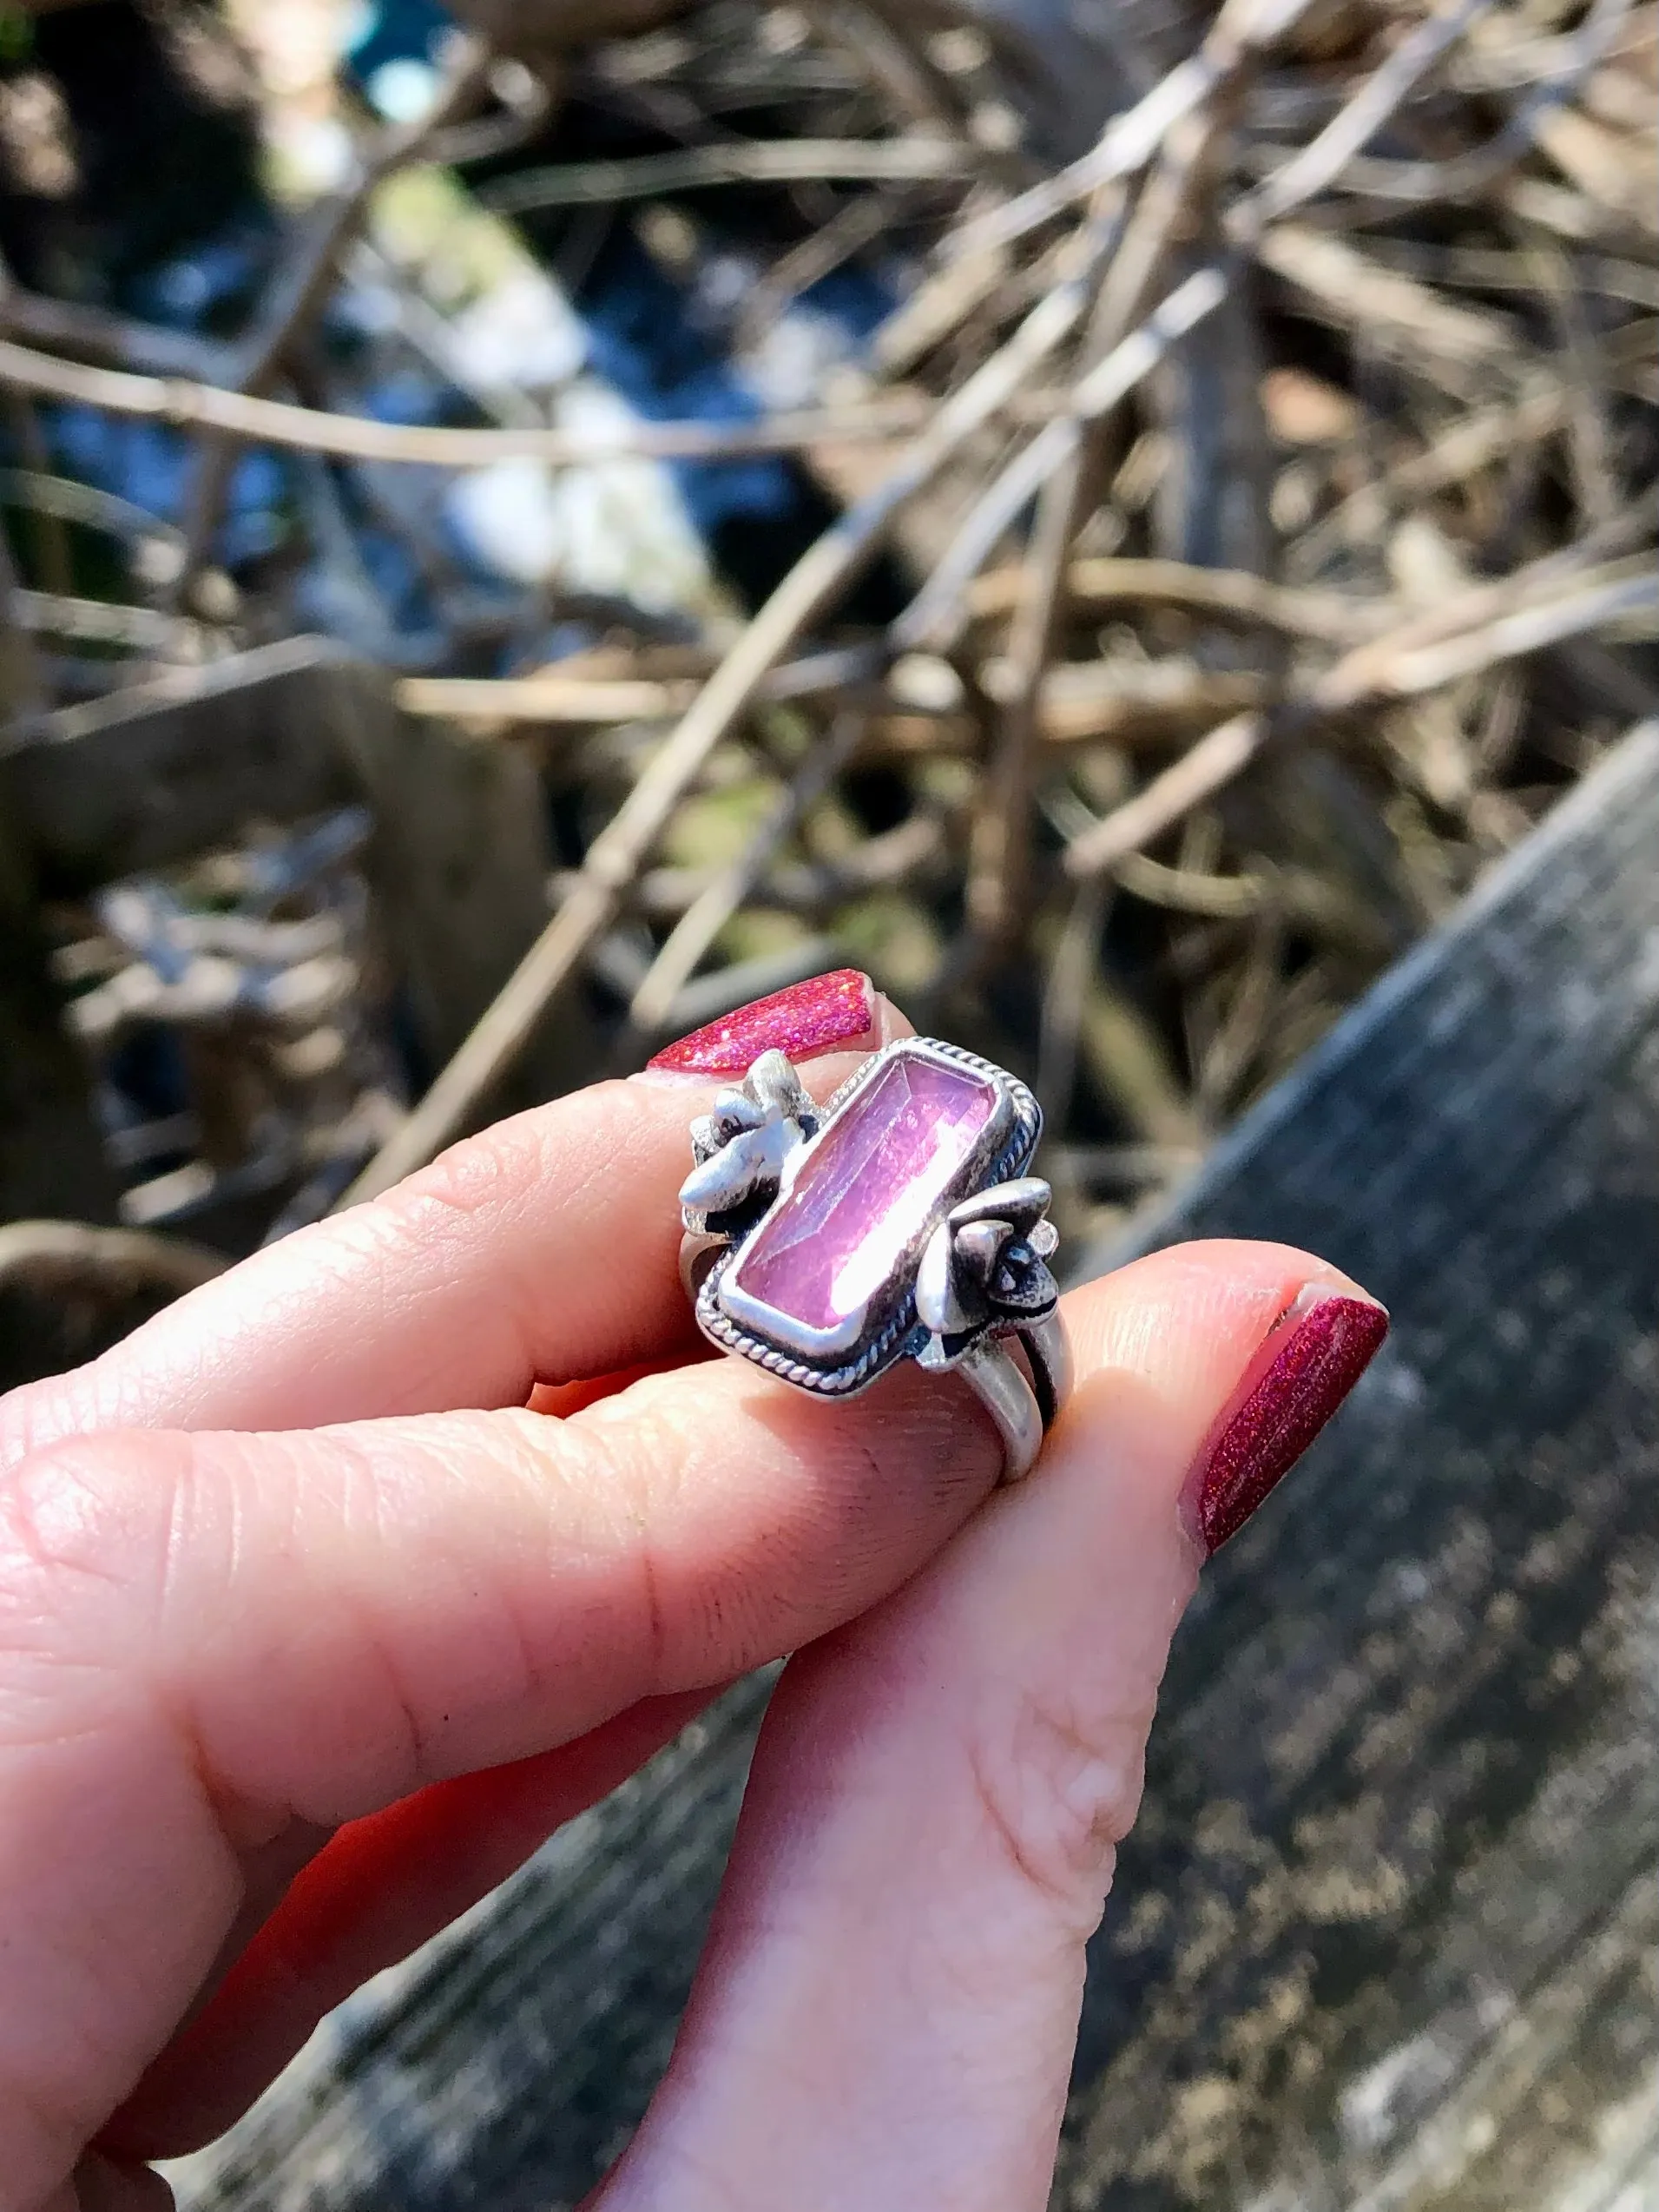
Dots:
(886, 1166)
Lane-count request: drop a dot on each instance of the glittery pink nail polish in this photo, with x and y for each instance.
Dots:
(817, 1015)
(1309, 1363)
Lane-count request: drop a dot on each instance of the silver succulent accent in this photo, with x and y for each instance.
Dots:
(987, 1261)
(740, 1146)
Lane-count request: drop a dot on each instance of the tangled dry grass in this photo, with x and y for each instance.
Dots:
(1268, 476)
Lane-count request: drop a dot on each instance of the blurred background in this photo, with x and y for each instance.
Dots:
(1189, 555)
(527, 525)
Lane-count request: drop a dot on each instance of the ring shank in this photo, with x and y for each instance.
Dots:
(1023, 1411)
(1022, 1405)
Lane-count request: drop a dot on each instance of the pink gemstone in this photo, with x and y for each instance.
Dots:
(890, 1163)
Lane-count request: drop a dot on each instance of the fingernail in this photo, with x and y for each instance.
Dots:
(808, 1018)
(1310, 1360)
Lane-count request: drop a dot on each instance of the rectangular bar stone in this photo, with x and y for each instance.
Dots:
(887, 1166)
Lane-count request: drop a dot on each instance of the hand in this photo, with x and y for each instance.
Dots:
(329, 1593)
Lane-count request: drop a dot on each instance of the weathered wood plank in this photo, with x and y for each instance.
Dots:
(1386, 1936)
(149, 776)
(50, 1160)
(49, 1155)
(459, 863)
(1403, 1784)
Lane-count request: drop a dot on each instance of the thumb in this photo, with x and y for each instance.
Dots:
(887, 2008)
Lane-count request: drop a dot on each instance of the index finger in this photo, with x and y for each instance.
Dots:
(541, 1250)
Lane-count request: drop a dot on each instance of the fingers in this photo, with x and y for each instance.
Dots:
(543, 1250)
(204, 1640)
(887, 2006)
(375, 1891)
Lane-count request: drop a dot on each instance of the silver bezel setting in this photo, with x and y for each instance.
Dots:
(838, 1363)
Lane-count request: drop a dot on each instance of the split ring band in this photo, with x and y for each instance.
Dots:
(827, 1243)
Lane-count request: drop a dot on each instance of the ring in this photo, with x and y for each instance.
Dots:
(827, 1243)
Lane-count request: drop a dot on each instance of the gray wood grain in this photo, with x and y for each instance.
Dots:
(1403, 1784)
(1384, 1938)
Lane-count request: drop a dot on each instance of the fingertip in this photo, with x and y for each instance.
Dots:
(1190, 1309)
(890, 1021)
(825, 1024)
(1300, 1373)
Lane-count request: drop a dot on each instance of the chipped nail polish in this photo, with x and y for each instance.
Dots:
(1309, 1363)
(807, 1018)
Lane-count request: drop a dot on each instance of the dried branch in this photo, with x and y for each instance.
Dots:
(1197, 776)
(59, 1258)
(1595, 605)
(97, 621)
(1467, 176)
(355, 437)
(1129, 144)
(933, 618)
(546, 697)
(93, 334)
(1473, 442)
(1466, 352)
(302, 285)
(615, 856)
(650, 177)
(552, 696)
(1228, 595)
(1397, 666)
(998, 857)
(1323, 159)
(708, 914)
(1130, 140)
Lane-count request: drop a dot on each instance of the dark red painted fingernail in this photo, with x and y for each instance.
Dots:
(813, 1017)
(1310, 1360)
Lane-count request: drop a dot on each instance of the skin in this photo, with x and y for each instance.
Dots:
(328, 1594)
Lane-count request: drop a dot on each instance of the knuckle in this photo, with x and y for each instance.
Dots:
(70, 1508)
(1058, 1777)
(469, 1179)
(495, 1170)
(633, 1457)
(86, 1534)
(619, 1447)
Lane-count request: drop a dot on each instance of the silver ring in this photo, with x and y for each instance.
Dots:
(827, 1243)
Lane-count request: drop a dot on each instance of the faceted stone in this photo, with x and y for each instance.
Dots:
(887, 1166)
